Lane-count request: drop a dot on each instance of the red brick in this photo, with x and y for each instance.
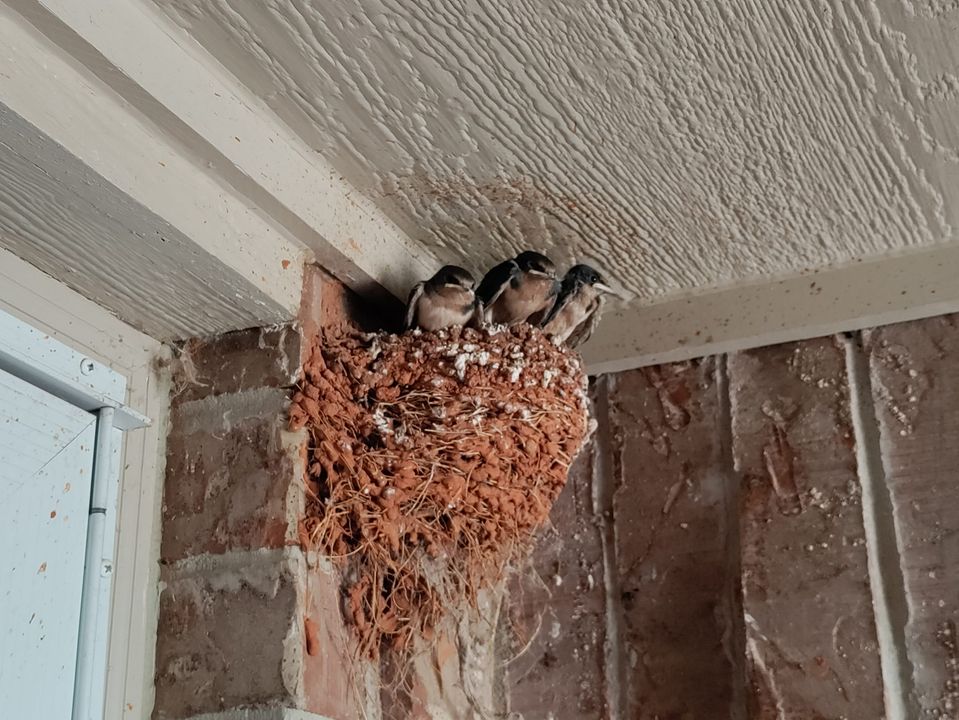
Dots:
(232, 476)
(429, 686)
(811, 640)
(674, 512)
(236, 361)
(227, 634)
(456, 674)
(915, 378)
(557, 613)
(328, 303)
(334, 679)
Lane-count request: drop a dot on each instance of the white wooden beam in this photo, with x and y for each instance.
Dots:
(160, 70)
(856, 296)
(93, 195)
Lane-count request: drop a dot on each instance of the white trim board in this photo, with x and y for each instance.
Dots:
(161, 72)
(92, 193)
(29, 354)
(50, 306)
(822, 302)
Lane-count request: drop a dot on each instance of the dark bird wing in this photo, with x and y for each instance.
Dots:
(496, 281)
(415, 294)
(563, 296)
(582, 333)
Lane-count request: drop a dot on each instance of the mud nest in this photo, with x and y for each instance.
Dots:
(433, 458)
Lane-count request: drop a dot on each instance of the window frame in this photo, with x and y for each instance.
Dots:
(124, 369)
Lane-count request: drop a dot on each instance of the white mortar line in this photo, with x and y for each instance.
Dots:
(261, 714)
(885, 571)
(734, 637)
(602, 487)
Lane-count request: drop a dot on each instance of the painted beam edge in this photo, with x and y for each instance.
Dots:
(37, 298)
(64, 102)
(860, 295)
(155, 66)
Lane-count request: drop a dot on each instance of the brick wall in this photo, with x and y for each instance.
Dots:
(250, 625)
(770, 534)
(784, 540)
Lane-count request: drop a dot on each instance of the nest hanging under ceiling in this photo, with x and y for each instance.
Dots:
(433, 458)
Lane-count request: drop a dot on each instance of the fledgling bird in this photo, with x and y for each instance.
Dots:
(445, 300)
(519, 290)
(577, 310)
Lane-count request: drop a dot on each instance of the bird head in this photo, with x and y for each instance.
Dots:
(453, 275)
(530, 261)
(586, 275)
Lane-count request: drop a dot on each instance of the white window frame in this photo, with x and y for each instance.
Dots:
(126, 373)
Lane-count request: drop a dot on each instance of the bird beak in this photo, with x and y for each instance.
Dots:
(604, 288)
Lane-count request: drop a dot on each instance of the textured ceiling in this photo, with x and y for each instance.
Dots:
(678, 146)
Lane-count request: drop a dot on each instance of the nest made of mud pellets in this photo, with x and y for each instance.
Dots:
(433, 458)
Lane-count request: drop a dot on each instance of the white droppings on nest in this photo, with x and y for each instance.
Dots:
(382, 423)
(492, 330)
(459, 365)
(515, 370)
(468, 357)
(513, 409)
(548, 376)
(375, 348)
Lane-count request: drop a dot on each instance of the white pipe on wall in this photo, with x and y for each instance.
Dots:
(84, 693)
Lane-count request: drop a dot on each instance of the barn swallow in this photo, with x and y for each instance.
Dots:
(445, 300)
(577, 310)
(518, 290)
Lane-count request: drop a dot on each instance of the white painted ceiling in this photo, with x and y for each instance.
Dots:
(678, 146)
(744, 172)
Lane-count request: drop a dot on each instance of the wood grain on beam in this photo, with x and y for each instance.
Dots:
(96, 198)
(160, 70)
